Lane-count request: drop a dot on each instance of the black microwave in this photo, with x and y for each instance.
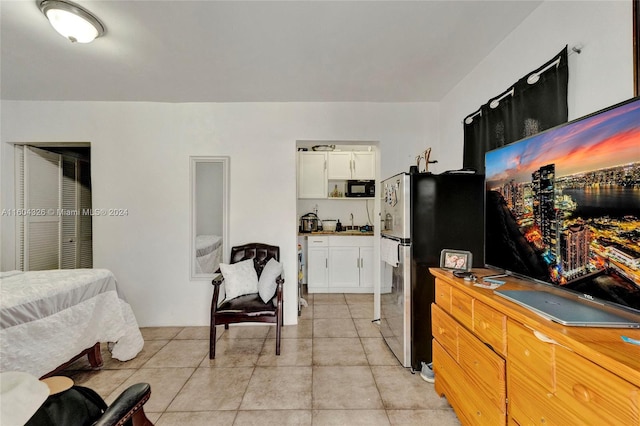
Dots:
(361, 188)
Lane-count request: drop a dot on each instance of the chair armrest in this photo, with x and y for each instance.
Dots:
(126, 406)
(217, 282)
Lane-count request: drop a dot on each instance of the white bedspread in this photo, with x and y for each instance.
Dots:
(48, 317)
(208, 253)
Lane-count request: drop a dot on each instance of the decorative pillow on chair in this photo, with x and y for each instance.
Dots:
(267, 284)
(239, 278)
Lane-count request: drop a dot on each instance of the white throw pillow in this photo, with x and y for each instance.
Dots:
(267, 284)
(239, 278)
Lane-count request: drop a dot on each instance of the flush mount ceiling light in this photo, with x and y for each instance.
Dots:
(71, 20)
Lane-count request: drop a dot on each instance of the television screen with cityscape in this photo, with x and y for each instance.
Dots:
(563, 206)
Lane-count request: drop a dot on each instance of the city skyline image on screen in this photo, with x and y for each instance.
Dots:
(563, 206)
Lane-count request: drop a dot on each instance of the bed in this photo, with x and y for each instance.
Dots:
(208, 253)
(48, 318)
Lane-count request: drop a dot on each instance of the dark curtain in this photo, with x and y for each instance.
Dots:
(528, 107)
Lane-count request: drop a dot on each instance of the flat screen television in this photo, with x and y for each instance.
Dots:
(563, 207)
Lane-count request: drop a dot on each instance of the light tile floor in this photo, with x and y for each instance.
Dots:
(334, 369)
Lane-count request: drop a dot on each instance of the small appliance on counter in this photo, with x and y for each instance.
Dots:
(329, 225)
(309, 222)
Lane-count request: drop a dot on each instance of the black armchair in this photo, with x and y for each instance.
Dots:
(248, 307)
(84, 407)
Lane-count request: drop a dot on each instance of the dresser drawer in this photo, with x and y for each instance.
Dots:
(531, 404)
(533, 356)
(469, 401)
(491, 326)
(444, 330)
(485, 368)
(593, 394)
(462, 307)
(443, 295)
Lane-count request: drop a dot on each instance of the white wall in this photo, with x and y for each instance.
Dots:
(600, 76)
(140, 161)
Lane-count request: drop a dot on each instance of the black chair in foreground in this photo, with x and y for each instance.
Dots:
(253, 290)
(68, 404)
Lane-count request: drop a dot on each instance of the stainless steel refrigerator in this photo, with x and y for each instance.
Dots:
(421, 214)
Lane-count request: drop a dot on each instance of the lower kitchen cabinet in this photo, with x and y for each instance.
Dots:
(340, 264)
(317, 268)
(344, 267)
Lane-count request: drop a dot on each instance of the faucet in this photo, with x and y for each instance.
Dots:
(351, 220)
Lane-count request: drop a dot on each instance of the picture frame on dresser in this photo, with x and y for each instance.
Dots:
(456, 260)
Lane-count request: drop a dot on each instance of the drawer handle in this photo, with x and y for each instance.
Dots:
(581, 393)
(484, 325)
(544, 338)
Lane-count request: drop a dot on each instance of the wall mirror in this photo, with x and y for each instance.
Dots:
(209, 215)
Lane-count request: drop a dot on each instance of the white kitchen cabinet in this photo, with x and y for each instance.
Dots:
(339, 165)
(312, 174)
(340, 264)
(318, 264)
(351, 165)
(366, 267)
(364, 165)
(344, 267)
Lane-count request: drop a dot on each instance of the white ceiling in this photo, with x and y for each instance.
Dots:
(237, 51)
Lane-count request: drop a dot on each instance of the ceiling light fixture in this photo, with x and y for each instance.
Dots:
(72, 21)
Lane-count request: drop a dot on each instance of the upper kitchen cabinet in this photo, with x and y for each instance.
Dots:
(351, 165)
(312, 174)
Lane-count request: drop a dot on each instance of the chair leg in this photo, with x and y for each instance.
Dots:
(140, 419)
(279, 325)
(278, 332)
(212, 339)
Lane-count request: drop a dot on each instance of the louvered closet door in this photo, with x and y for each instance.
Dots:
(84, 236)
(69, 238)
(76, 242)
(19, 165)
(42, 186)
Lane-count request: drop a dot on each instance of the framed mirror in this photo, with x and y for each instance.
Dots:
(209, 215)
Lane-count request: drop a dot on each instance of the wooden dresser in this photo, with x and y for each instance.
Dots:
(498, 363)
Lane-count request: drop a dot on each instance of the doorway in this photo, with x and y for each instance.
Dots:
(53, 207)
